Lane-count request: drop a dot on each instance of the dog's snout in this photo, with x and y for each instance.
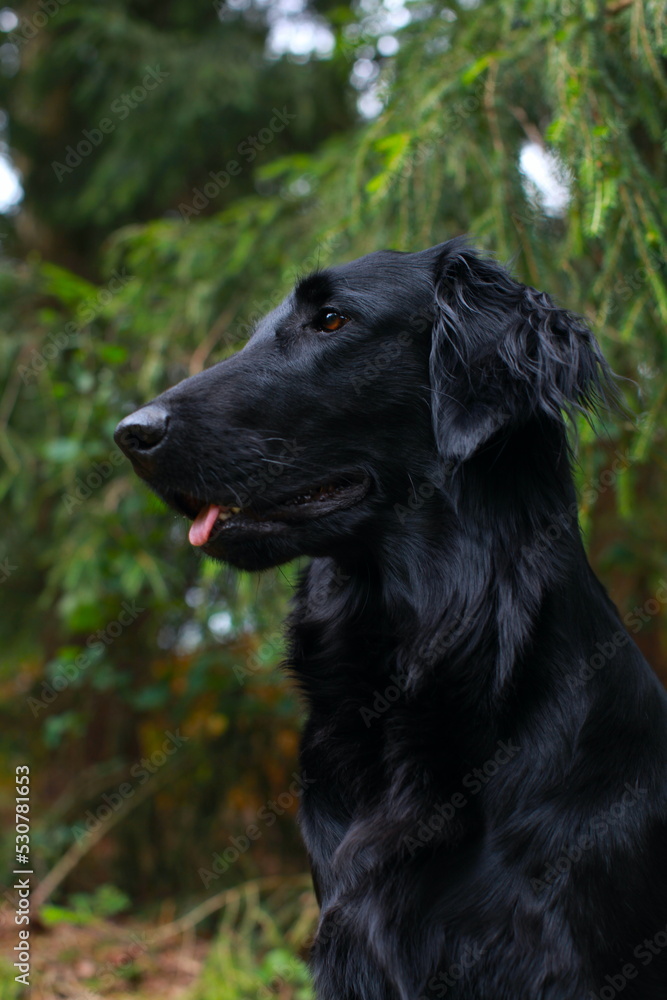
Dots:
(142, 431)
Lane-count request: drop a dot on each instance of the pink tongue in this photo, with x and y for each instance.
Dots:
(201, 527)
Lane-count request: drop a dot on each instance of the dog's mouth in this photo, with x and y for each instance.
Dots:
(211, 520)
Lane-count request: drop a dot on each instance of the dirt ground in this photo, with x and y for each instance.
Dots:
(107, 959)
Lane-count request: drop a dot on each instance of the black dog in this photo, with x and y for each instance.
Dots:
(486, 747)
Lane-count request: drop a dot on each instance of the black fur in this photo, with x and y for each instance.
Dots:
(486, 746)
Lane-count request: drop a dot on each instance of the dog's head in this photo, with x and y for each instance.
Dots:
(367, 376)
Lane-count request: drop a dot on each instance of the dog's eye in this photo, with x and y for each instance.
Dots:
(329, 320)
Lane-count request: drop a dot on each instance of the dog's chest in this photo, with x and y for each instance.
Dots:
(378, 786)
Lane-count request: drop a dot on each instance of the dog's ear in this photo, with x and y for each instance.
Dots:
(502, 352)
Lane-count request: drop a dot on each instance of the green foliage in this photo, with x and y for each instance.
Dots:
(9, 988)
(254, 954)
(86, 907)
(232, 973)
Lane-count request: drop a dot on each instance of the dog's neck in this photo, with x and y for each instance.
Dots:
(459, 589)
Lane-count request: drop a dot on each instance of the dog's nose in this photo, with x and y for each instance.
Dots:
(140, 433)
